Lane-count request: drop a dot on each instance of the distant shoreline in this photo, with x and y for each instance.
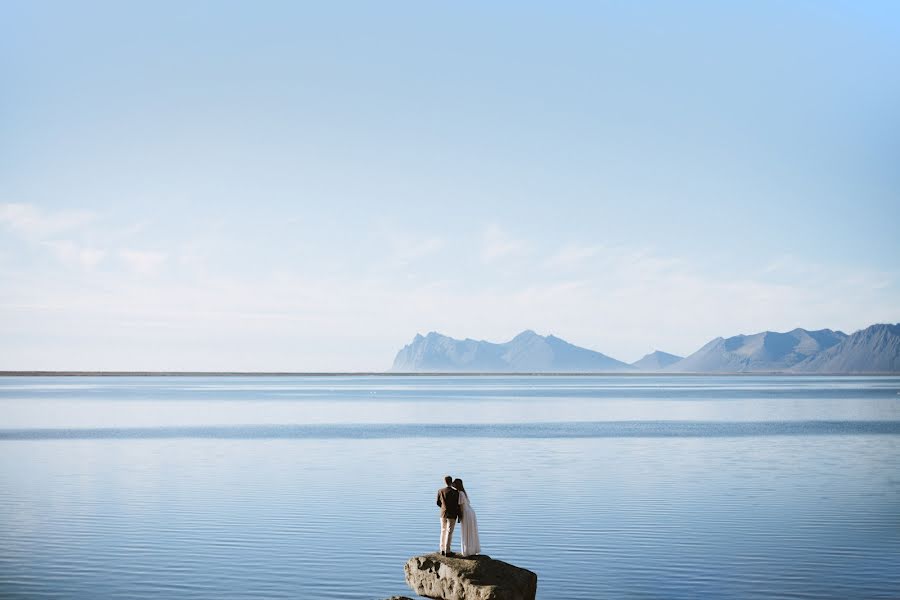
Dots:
(422, 374)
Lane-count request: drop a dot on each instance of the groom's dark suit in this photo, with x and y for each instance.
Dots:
(448, 500)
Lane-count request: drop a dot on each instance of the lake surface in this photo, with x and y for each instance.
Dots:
(322, 487)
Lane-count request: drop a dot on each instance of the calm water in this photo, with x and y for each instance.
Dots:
(322, 487)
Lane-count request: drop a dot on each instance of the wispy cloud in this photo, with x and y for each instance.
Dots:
(407, 248)
(72, 236)
(498, 244)
(72, 253)
(143, 262)
(34, 223)
(620, 300)
(570, 255)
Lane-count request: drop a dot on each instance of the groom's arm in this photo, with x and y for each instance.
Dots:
(438, 498)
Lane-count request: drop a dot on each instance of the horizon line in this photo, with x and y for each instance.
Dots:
(75, 373)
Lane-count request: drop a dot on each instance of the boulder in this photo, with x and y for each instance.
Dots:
(469, 578)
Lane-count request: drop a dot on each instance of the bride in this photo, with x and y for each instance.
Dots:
(470, 543)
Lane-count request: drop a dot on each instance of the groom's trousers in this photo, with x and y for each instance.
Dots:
(447, 526)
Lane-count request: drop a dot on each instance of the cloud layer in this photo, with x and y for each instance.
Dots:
(183, 305)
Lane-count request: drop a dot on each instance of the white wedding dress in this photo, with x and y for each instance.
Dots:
(470, 543)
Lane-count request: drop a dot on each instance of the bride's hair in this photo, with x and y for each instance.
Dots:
(458, 484)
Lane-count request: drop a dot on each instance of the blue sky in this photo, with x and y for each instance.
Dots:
(236, 185)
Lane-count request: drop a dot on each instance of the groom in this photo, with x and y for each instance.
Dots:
(448, 500)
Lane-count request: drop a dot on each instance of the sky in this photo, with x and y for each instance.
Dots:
(306, 186)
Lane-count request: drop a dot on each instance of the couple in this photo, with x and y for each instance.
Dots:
(454, 503)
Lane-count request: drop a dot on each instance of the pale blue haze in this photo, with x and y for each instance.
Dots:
(304, 186)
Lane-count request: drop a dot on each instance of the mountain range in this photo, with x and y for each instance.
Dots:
(766, 351)
(875, 349)
(527, 352)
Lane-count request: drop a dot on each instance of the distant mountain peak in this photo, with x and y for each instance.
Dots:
(527, 334)
(875, 349)
(434, 335)
(656, 361)
(766, 351)
(527, 352)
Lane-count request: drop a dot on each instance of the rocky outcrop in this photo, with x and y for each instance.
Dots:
(469, 578)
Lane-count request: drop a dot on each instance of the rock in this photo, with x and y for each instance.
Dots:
(470, 578)
(399, 598)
